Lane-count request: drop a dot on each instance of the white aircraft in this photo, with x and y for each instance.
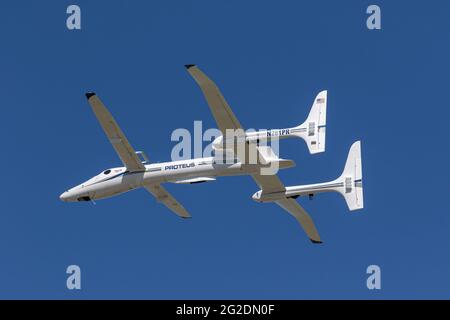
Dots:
(137, 172)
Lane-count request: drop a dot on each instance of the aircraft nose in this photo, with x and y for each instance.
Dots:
(64, 196)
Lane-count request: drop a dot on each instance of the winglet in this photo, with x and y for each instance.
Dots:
(315, 241)
(188, 66)
(90, 94)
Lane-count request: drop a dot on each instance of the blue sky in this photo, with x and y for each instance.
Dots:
(386, 88)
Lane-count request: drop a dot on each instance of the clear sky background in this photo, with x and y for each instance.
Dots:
(387, 88)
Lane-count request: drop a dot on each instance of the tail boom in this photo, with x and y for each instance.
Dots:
(349, 184)
(312, 130)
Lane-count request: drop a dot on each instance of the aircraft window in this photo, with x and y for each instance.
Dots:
(107, 171)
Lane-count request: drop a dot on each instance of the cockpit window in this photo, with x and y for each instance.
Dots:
(107, 171)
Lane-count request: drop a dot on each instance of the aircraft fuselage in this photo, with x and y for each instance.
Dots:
(118, 180)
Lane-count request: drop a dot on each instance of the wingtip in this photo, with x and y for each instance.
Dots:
(89, 95)
(316, 241)
(188, 66)
(187, 218)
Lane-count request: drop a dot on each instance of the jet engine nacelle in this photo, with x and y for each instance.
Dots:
(217, 144)
(259, 196)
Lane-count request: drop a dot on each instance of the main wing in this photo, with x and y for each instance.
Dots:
(220, 109)
(115, 135)
(271, 183)
(226, 119)
(268, 183)
(305, 220)
(167, 199)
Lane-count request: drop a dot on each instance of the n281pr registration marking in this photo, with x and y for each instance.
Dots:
(231, 309)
